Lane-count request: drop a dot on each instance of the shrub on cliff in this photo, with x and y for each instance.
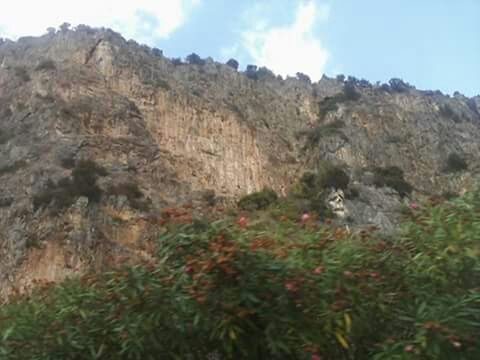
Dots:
(398, 85)
(233, 64)
(251, 72)
(303, 77)
(316, 134)
(194, 59)
(447, 111)
(22, 73)
(176, 61)
(472, 105)
(258, 200)
(265, 73)
(83, 182)
(393, 177)
(133, 194)
(350, 92)
(314, 187)
(455, 163)
(327, 176)
(4, 136)
(46, 65)
(330, 103)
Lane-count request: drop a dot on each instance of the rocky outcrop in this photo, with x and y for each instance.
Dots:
(179, 132)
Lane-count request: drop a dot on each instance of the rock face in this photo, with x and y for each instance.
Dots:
(179, 132)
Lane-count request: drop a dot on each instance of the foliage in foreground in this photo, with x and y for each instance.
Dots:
(271, 288)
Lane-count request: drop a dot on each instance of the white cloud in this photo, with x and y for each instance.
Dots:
(289, 49)
(143, 20)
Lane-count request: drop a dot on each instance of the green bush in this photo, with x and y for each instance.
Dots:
(22, 73)
(194, 59)
(12, 167)
(163, 84)
(46, 65)
(350, 93)
(133, 193)
(330, 104)
(258, 200)
(272, 290)
(392, 176)
(233, 64)
(326, 177)
(313, 136)
(447, 111)
(4, 136)
(84, 177)
(209, 197)
(455, 163)
(64, 193)
(315, 187)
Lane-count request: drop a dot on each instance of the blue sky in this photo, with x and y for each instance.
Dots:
(433, 44)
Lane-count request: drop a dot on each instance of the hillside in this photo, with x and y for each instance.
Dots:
(99, 137)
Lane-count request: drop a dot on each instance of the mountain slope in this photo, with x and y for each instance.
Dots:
(166, 133)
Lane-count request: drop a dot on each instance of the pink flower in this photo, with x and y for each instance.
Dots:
(291, 286)
(457, 344)
(242, 222)
(414, 206)
(305, 218)
(316, 357)
(409, 348)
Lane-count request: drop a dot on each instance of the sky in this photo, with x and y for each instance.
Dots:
(432, 44)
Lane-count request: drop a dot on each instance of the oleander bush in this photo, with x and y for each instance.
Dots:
(270, 288)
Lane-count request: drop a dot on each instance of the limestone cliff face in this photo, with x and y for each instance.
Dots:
(181, 132)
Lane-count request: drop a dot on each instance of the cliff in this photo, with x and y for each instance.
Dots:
(165, 133)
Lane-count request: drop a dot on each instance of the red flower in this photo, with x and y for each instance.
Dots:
(316, 357)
